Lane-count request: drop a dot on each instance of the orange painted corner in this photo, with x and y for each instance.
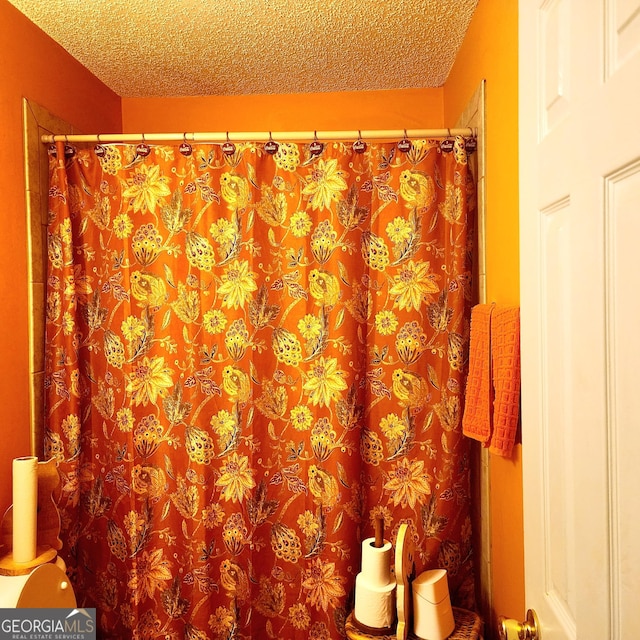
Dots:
(36, 68)
(490, 53)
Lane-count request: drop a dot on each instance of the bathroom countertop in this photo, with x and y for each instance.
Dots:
(468, 627)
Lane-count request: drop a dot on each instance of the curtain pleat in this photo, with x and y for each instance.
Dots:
(250, 358)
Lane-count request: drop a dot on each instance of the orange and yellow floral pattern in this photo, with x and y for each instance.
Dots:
(250, 357)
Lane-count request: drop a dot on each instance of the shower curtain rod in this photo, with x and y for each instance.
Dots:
(259, 136)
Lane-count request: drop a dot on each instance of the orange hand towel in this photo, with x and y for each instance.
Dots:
(476, 421)
(505, 356)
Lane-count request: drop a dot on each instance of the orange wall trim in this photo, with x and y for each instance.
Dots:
(490, 51)
(392, 109)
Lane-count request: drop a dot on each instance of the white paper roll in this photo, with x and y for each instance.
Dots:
(375, 605)
(25, 508)
(376, 562)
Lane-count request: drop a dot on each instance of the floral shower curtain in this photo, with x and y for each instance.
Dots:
(250, 357)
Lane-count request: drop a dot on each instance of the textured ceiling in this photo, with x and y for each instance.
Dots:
(144, 48)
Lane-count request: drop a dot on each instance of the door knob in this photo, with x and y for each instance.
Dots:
(511, 629)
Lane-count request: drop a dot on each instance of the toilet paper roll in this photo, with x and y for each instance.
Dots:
(25, 508)
(376, 562)
(375, 605)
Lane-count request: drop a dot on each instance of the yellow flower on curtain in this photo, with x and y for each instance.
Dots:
(237, 284)
(122, 226)
(234, 533)
(199, 445)
(150, 571)
(149, 379)
(408, 483)
(132, 328)
(412, 285)
(393, 427)
(146, 187)
(324, 184)
(325, 381)
(301, 417)
(222, 621)
(386, 322)
(399, 230)
(236, 478)
(299, 616)
(300, 224)
(125, 420)
(323, 584)
(214, 321)
(310, 326)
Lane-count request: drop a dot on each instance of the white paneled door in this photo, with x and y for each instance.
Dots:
(579, 83)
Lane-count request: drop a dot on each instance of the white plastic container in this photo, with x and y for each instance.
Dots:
(432, 612)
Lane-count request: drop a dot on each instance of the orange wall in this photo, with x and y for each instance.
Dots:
(393, 109)
(33, 66)
(490, 51)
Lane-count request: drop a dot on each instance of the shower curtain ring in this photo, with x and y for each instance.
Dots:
(359, 146)
(316, 147)
(228, 148)
(271, 146)
(143, 149)
(185, 148)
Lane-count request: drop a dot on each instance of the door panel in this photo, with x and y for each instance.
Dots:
(623, 408)
(579, 141)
